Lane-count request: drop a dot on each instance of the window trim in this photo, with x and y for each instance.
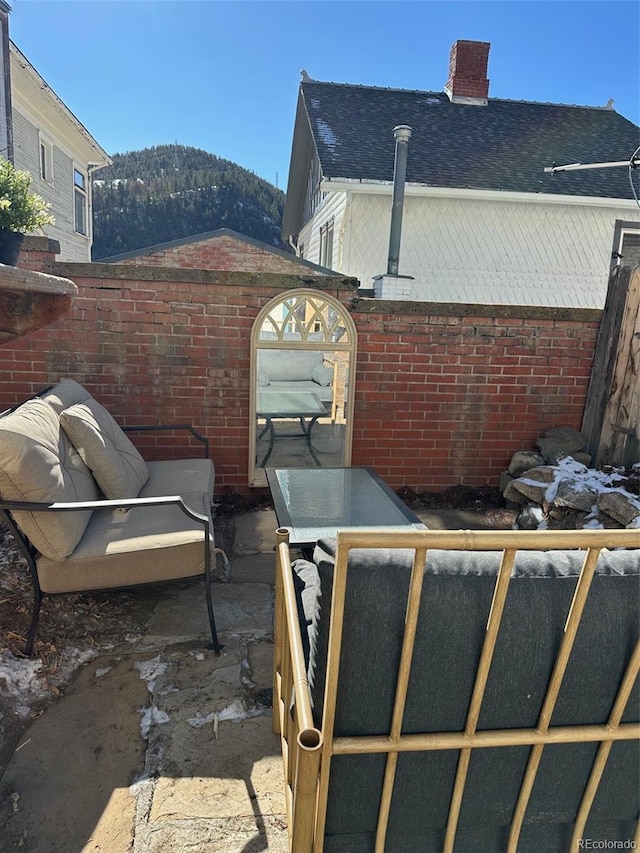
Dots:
(45, 158)
(621, 228)
(80, 192)
(325, 254)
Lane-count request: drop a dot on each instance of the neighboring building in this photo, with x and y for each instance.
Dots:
(223, 249)
(482, 221)
(43, 136)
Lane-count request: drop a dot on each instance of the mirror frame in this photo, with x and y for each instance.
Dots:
(257, 476)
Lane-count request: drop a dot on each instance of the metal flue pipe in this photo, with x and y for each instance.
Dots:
(402, 134)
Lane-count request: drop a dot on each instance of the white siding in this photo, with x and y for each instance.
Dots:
(488, 252)
(73, 247)
(333, 207)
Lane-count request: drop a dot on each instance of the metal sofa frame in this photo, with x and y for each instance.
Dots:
(30, 553)
(308, 748)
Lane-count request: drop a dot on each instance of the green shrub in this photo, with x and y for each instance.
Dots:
(20, 209)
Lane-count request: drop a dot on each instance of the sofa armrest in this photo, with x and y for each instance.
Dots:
(292, 714)
(124, 503)
(160, 427)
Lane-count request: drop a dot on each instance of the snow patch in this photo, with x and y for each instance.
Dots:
(150, 670)
(20, 679)
(198, 721)
(236, 712)
(327, 135)
(151, 716)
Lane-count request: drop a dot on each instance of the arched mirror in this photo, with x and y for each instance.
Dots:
(303, 348)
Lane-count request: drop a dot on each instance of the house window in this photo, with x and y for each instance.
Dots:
(46, 161)
(326, 245)
(80, 201)
(626, 244)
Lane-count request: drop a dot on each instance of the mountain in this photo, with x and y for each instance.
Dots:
(172, 191)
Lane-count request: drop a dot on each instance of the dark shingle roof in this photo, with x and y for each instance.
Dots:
(502, 146)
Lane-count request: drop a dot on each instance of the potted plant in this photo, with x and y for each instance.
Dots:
(21, 211)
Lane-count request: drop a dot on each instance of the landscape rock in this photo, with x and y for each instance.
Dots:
(505, 479)
(561, 441)
(524, 460)
(582, 456)
(565, 493)
(620, 505)
(575, 496)
(536, 483)
(531, 518)
(512, 495)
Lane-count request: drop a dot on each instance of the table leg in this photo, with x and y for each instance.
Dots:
(272, 440)
(309, 444)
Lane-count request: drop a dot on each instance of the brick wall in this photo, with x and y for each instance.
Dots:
(222, 252)
(444, 393)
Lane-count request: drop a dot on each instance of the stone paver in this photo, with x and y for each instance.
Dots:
(163, 746)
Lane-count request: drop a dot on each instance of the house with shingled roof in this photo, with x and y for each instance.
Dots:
(482, 221)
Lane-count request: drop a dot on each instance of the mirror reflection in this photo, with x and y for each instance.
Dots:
(303, 349)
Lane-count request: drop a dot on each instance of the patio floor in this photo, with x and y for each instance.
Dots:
(159, 745)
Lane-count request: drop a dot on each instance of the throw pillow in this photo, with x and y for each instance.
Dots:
(39, 463)
(119, 469)
(322, 375)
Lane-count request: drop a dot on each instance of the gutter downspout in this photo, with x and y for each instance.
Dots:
(6, 111)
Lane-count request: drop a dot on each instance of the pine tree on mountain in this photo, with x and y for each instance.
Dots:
(169, 192)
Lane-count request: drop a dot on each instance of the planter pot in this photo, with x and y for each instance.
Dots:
(10, 243)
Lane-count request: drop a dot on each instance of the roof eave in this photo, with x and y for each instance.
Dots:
(376, 187)
(102, 158)
(302, 147)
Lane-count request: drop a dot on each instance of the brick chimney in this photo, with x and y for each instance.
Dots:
(468, 82)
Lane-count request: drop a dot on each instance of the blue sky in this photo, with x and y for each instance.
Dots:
(223, 76)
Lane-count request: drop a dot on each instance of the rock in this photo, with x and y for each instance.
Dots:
(531, 518)
(597, 519)
(512, 495)
(523, 460)
(560, 441)
(505, 479)
(583, 457)
(575, 495)
(567, 435)
(619, 505)
(536, 483)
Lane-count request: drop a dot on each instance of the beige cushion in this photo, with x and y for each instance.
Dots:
(184, 477)
(39, 463)
(119, 469)
(66, 393)
(142, 545)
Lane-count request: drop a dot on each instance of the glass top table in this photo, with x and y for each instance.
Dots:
(314, 503)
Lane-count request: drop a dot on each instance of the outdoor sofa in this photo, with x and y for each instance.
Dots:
(88, 512)
(298, 370)
(486, 702)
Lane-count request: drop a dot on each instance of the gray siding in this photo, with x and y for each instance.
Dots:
(73, 247)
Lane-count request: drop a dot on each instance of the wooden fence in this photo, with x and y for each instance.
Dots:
(612, 413)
